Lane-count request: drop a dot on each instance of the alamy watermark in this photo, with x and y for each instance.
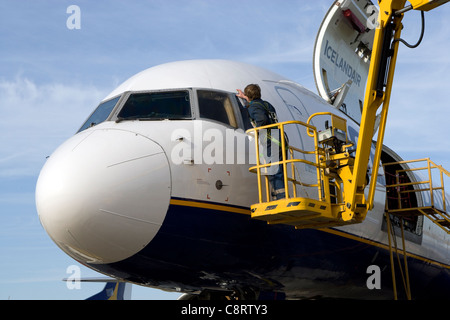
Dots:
(372, 20)
(213, 146)
(73, 281)
(374, 280)
(73, 22)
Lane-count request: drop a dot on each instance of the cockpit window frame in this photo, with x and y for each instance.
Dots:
(234, 104)
(237, 107)
(127, 94)
(108, 118)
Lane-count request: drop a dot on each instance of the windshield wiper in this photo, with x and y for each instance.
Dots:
(120, 119)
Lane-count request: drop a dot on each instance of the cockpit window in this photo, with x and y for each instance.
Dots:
(173, 105)
(100, 114)
(245, 115)
(216, 106)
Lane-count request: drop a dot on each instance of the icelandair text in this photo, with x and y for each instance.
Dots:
(343, 65)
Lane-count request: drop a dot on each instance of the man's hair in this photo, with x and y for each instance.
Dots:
(253, 91)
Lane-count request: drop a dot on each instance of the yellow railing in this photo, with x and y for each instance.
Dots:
(314, 198)
(287, 159)
(428, 185)
(293, 178)
(404, 207)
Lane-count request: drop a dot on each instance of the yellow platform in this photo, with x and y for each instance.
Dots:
(298, 212)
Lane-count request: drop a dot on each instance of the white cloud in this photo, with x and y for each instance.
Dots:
(36, 118)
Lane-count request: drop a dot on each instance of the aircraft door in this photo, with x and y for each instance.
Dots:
(293, 103)
(297, 111)
(297, 134)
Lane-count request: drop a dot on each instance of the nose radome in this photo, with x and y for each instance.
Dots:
(103, 195)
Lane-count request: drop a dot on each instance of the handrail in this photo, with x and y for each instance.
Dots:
(286, 159)
(431, 188)
(333, 117)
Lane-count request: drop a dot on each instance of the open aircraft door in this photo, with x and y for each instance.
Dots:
(342, 54)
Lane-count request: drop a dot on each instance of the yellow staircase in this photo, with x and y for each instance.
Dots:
(430, 190)
(429, 201)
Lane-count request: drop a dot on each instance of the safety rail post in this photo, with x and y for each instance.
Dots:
(266, 180)
(294, 179)
(405, 276)
(441, 175)
(443, 191)
(318, 169)
(391, 257)
(283, 150)
(258, 169)
(430, 181)
(399, 194)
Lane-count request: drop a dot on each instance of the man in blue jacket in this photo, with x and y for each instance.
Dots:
(262, 113)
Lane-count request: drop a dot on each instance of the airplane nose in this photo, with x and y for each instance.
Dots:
(103, 195)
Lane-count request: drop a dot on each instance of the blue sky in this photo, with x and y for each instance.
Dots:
(51, 78)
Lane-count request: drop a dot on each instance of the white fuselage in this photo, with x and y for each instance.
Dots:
(104, 194)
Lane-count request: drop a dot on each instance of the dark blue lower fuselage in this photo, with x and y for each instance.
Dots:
(200, 247)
